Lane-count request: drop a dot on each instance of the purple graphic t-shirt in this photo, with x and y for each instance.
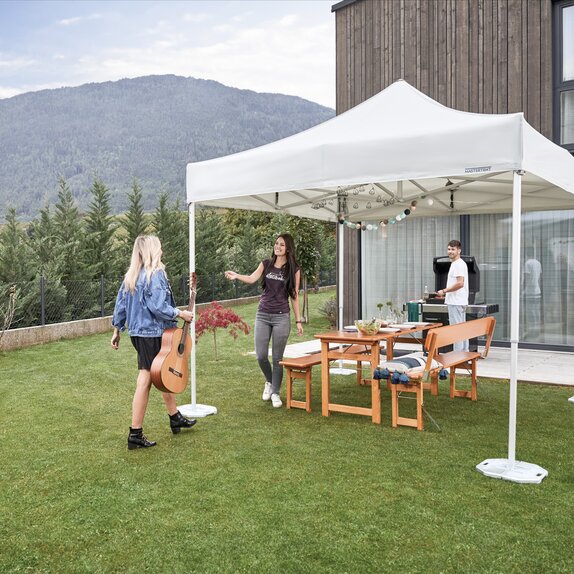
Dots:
(274, 298)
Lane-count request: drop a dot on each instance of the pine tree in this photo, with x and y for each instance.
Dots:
(100, 230)
(135, 222)
(46, 257)
(170, 224)
(15, 260)
(69, 233)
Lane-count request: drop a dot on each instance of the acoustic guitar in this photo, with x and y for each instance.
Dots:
(170, 368)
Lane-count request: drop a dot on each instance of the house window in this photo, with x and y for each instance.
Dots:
(564, 73)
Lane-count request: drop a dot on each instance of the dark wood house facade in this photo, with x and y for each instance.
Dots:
(486, 56)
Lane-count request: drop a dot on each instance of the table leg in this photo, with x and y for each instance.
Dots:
(325, 380)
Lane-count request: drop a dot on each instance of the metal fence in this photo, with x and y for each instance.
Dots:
(47, 301)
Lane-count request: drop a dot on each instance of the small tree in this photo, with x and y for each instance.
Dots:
(217, 317)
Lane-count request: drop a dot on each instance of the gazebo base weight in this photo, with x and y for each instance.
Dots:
(519, 471)
(197, 411)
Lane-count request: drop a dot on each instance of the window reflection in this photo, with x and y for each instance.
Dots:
(547, 267)
(568, 43)
(567, 117)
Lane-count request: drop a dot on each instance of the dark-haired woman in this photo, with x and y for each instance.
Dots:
(280, 278)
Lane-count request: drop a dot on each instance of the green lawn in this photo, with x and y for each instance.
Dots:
(257, 489)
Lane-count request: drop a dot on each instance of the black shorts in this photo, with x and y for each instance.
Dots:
(147, 348)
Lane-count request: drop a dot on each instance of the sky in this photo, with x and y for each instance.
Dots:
(278, 46)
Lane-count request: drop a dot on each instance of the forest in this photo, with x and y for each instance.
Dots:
(68, 263)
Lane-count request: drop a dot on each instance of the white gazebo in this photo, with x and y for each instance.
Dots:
(390, 151)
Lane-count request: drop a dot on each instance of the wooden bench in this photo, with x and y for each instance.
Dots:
(302, 367)
(453, 360)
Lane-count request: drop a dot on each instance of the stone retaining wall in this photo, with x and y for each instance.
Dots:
(28, 336)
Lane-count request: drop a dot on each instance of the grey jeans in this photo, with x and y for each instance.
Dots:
(274, 327)
(456, 315)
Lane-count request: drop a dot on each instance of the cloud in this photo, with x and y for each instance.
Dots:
(70, 21)
(195, 17)
(279, 49)
(9, 92)
(7, 62)
(78, 19)
(273, 57)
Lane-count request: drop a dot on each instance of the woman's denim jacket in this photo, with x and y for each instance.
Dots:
(149, 310)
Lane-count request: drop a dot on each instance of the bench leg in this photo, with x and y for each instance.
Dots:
(397, 420)
(420, 423)
(306, 375)
(454, 392)
(376, 400)
(434, 385)
(394, 407)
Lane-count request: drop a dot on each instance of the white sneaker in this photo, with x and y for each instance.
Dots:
(571, 399)
(266, 392)
(276, 400)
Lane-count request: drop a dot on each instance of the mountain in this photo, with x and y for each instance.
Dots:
(147, 128)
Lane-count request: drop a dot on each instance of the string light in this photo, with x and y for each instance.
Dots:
(341, 217)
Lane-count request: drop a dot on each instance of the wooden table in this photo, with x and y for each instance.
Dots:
(354, 346)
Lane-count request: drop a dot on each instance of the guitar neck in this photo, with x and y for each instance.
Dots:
(190, 305)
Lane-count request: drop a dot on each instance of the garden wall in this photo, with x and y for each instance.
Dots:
(28, 336)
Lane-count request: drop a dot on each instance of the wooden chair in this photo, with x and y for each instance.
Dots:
(453, 360)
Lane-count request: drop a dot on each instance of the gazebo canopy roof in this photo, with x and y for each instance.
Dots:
(397, 147)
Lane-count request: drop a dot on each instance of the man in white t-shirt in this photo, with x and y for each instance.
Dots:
(456, 290)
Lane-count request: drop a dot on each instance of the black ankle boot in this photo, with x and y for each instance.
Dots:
(136, 439)
(178, 422)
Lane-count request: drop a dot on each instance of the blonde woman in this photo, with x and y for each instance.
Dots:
(145, 303)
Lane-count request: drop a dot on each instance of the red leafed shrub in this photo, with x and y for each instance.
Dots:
(217, 317)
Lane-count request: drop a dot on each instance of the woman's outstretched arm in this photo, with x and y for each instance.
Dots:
(249, 279)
